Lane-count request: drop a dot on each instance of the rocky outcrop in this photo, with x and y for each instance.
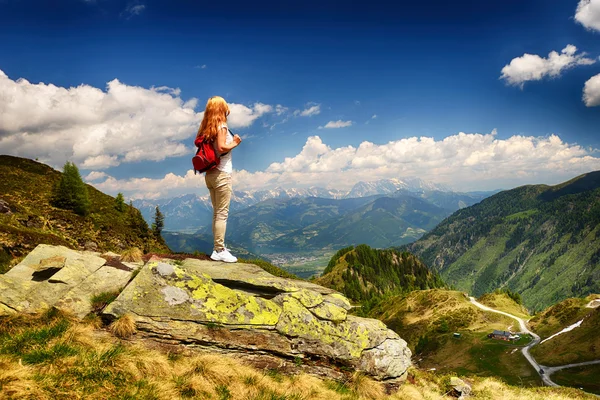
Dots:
(55, 276)
(240, 307)
(237, 308)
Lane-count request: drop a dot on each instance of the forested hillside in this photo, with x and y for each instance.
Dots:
(367, 275)
(27, 217)
(540, 241)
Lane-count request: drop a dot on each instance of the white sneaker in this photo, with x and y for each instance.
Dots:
(223, 255)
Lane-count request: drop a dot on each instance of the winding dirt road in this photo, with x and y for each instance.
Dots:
(542, 370)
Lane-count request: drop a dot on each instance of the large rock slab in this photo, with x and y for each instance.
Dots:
(240, 307)
(106, 279)
(48, 274)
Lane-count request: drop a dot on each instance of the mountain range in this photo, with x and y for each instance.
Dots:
(312, 223)
(537, 240)
(191, 211)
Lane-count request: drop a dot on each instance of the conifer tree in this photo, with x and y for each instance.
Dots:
(159, 222)
(70, 192)
(120, 202)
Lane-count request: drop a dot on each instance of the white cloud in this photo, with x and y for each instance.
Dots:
(336, 124)
(95, 176)
(98, 129)
(133, 9)
(591, 92)
(280, 110)
(203, 66)
(314, 109)
(462, 161)
(588, 14)
(242, 116)
(531, 67)
(374, 116)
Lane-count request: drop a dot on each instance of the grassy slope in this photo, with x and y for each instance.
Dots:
(580, 344)
(502, 302)
(27, 185)
(57, 358)
(436, 314)
(539, 241)
(582, 377)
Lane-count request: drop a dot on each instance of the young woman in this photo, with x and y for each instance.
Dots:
(218, 180)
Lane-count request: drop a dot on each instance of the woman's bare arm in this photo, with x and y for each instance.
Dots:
(222, 147)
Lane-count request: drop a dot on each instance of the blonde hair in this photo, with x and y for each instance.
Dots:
(215, 115)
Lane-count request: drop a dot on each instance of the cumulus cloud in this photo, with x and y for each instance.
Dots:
(336, 124)
(588, 14)
(531, 67)
(462, 161)
(242, 116)
(98, 129)
(591, 92)
(313, 109)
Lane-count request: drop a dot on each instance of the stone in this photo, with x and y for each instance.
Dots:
(4, 208)
(242, 308)
(462, 389)
(77, 301)
(90, 246)
(44, 276)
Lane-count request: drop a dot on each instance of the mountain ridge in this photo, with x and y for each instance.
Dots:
(538, 240)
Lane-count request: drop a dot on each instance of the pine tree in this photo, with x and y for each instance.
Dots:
(71, 193)
(120, 202)
(159, 222)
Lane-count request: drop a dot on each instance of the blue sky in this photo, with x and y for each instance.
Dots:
(388, 74)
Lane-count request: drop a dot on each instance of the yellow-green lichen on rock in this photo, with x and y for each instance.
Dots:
(329, 311)
(204, 300)
(307, 298)
(255, 311)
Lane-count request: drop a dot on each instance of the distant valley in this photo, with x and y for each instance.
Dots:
(381, 214)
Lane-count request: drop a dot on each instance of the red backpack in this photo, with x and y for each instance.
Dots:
(206, 157)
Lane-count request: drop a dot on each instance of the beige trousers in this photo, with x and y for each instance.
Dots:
(219, 186)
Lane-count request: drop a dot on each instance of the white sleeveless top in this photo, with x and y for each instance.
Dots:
(226, 165)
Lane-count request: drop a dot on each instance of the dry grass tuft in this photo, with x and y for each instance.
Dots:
(123, 327)
(93, 320)
(366, 388)
(133, 254)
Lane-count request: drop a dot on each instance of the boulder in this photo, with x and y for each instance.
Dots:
(242, 308)
(53, 275)
(218, 307)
